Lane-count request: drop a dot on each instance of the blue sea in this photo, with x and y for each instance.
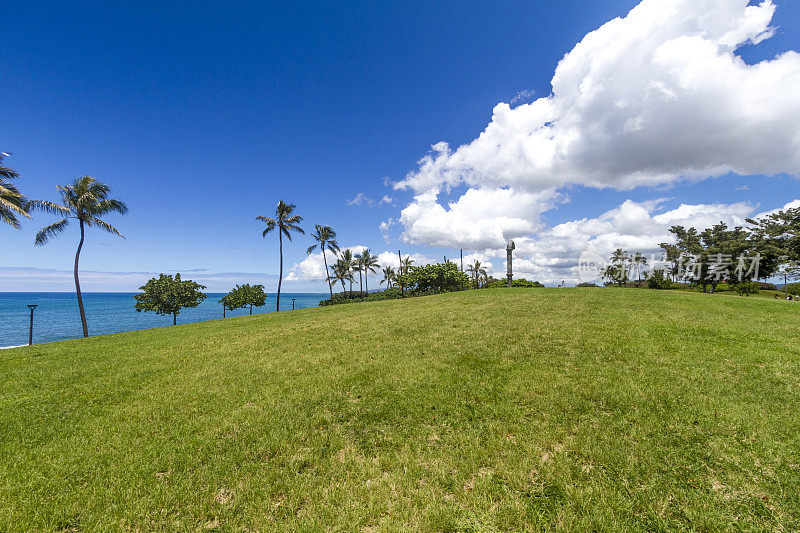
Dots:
(57, 316)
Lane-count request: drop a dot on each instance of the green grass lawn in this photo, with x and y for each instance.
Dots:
(488, 410)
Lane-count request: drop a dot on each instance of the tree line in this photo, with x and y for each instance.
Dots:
(738, 256)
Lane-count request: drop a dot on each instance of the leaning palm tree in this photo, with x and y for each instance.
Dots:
(85, 200)
(340, 272)
(286, 222)
(326, 240)
(388, 276)
(12, 202)
(368, 263)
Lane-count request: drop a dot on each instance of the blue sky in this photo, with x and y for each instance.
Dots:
(202, 116)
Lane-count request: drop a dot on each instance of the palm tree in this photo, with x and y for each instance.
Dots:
(477, 270)
(368, 263)
(358, 267)
(341, 272)
(639, 260)
(12, 202)
(348, 264)
(388, 276)
(286, 222)
(405, 265)
(326, 240)
(620, 259)
(84, 200)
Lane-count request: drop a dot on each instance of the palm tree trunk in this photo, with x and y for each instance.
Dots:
(360, 284)
(325, 259)
(366, 282)
(280, 275)
(78, 284)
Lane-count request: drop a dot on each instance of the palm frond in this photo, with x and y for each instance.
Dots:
(106, 206)
(311, 249)
(8, 173)
(48, 207)
(50, 231)
(105, 226)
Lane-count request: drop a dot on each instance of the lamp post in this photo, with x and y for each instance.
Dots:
(292, 304)
(509, 248)
(30, 331)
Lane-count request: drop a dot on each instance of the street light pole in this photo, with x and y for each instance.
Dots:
(30, 331)
(292, 304)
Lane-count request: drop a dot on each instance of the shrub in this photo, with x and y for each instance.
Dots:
(521, 282)
(659, 282)
(747, 288)
(348, 297)
(439, 277)
(588, 284)
(793, 288)
(767, 286)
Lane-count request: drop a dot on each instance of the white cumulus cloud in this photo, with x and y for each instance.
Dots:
(648, 99)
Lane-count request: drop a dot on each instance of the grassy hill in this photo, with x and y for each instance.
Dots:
(480, 411)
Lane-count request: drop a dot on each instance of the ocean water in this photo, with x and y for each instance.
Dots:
(57, 316)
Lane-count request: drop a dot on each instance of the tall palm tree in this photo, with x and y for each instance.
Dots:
(348, 264)
(639, 260)
(326, 240)
(388, 276)
(358, 267)
(286, 222)
(368, 263)
(12, 202)
(85, 200)
(477, 270)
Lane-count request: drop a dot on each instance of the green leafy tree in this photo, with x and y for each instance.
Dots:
(167, 296)
(777, 238)
(747, 288)
(84, 200)
(230, 302)
(286, 222)
(672, 257)
(659, 281)
(326, 241)
(12, 203)
(243, 296)
(438, 277)
(720, 255)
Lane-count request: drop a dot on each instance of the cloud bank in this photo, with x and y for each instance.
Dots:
(650, 99)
